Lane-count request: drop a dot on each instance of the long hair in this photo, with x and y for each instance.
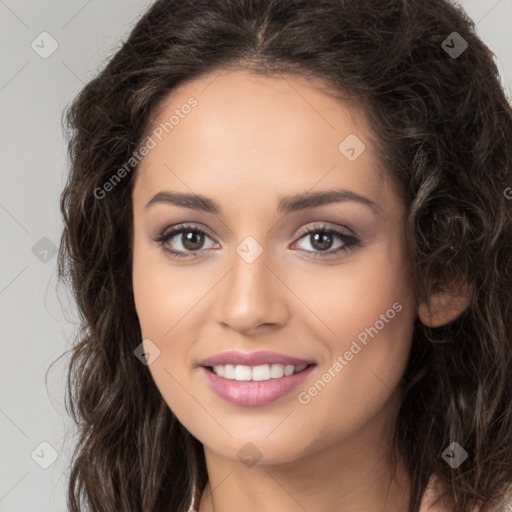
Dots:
(443, 128)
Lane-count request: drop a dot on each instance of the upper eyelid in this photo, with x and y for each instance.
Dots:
(178, 228)
(324, 226)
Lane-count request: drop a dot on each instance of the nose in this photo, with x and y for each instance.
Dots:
(252, 296)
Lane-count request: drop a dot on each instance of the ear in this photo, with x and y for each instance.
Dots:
(444, 306)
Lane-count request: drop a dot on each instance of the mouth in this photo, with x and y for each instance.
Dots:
(259, 373)
(253, 386)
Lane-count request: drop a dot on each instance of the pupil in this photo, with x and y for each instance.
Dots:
(193, 238)
(322, 245)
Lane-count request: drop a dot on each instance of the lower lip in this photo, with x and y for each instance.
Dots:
(255, 393)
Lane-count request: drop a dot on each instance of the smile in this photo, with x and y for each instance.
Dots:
(256, 373)
(255, 386)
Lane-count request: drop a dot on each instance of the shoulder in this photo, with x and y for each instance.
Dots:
(436, 489)
(432, 492)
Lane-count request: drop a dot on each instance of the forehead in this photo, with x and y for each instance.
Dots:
(281, 131)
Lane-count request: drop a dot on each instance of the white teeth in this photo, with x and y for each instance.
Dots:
(261, 372)
(229, 371)
(256, 373)
(288, 370)
(243, 372)
(276, 371)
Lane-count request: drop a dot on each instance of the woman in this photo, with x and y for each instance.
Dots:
(288, 230)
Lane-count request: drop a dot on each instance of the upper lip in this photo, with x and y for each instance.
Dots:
(253, 359)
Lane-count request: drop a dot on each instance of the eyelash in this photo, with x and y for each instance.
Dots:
(350, 241)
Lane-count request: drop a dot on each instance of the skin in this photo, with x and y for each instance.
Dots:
(250, 141)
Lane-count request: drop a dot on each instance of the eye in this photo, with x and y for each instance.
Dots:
(188, 238)
(321, 239)
(190, 241)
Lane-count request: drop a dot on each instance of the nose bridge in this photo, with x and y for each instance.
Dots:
(250, 294)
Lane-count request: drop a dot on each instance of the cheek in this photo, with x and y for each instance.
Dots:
(163, 294)
(166, 302)
(151, 300)
(367, 314)
(346, 299)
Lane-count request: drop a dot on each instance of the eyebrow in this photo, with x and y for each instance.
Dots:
(285, 205)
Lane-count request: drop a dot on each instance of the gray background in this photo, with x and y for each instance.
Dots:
(38, 319)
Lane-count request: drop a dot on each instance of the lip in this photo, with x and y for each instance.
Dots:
(253, 359)
(255, 393)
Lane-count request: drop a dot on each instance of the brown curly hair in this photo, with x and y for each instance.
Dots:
(443, 128)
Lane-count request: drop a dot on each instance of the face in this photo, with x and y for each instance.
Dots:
(261, 266)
